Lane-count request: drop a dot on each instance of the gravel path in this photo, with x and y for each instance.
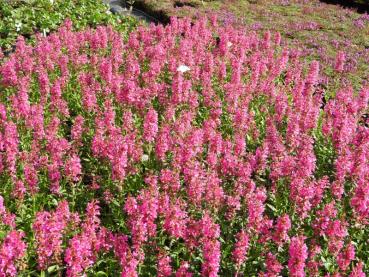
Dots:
(121, 7)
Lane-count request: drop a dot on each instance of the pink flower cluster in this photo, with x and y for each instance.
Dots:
(189, 149)
(49, 229)
(12, 249)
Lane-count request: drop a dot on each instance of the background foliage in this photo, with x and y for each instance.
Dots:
(29, 17)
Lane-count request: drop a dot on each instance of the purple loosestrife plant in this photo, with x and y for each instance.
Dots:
(188, 149)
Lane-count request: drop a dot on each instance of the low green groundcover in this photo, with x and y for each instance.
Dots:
(28, 17)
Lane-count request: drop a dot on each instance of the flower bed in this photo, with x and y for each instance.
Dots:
(318, 29)
(187, 150)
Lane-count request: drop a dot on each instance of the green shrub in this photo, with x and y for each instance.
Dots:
(27, 17)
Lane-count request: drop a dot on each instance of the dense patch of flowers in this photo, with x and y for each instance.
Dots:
(188, 149)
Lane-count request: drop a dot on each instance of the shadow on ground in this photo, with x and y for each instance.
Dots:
(360, 6)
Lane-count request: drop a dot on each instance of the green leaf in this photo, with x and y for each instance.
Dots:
(2, 234)
(52, 269)
(101, 273)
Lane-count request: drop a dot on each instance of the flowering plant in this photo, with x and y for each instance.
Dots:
(44, 16)
(189, 149)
